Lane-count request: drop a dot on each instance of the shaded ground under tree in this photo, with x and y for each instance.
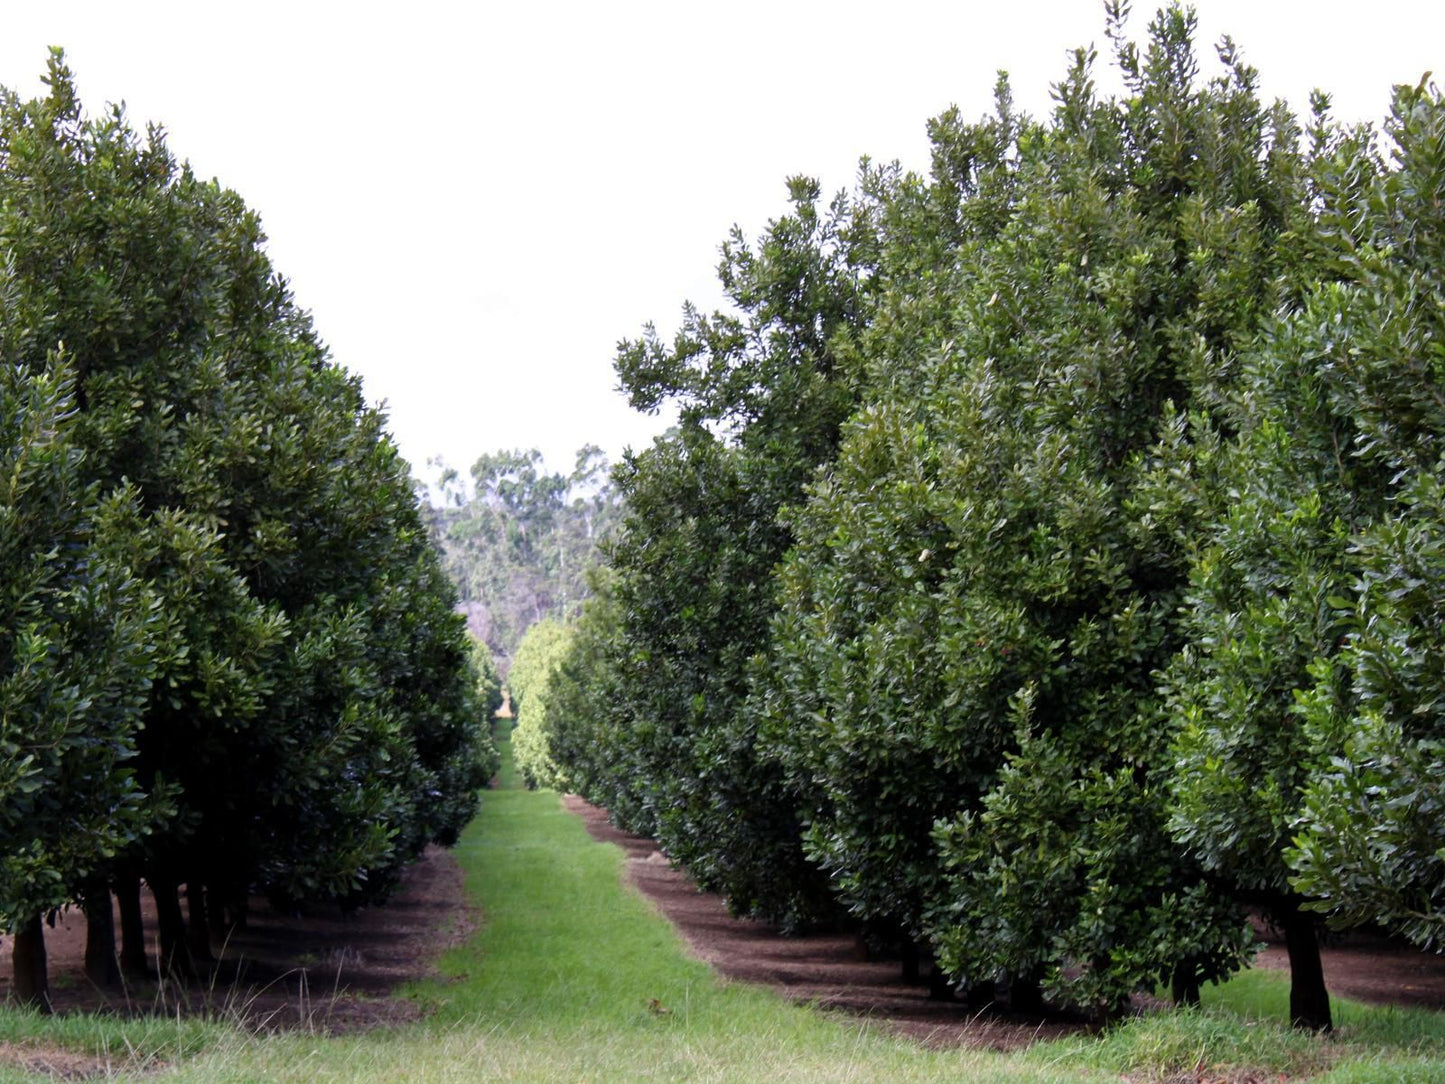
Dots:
(320, 970)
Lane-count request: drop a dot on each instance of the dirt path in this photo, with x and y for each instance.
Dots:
(828, 969)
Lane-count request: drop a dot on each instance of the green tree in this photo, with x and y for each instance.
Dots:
(76, 660)
(588, 720)
(489, 681)
(761, 391)
(312, 716)
(963, 681)
(1369, 843)
(530, 683)
(1307, 739)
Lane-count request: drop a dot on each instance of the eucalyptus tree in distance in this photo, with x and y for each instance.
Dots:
(520, 542)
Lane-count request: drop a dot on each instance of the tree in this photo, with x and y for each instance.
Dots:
(1369, 844)
(76, 659)
(489, 682)
(978, 601)
(761, 391)
(1305, 695)
(312, 719)
(530, 683)
(588, 719)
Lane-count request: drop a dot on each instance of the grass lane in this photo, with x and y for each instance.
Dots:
(564, 981)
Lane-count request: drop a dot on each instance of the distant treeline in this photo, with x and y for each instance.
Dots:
(519, 542)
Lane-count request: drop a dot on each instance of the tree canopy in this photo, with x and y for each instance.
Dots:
(268, 684)
(1042, 569)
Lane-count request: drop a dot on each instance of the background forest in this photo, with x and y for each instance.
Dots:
(520, 543)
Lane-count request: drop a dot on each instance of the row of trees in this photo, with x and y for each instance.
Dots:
(227, 653)
(1046, 566)
(519, 542)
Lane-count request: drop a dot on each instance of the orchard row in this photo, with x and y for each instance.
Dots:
(227, 654)
(1049, 562)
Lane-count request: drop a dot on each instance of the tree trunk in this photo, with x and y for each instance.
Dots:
(171, 926)
(1026, 997)
(238, 908)
(217, 901)
(1309, 1000)
(198, 932)
(982, 996)
(940, 986)
(1185, 984)
(912, 961)
(133, 960)
(101, 965)
(32, 982)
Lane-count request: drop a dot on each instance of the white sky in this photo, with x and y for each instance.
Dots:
(477, 201)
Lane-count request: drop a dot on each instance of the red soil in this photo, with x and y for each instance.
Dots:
(828, 970)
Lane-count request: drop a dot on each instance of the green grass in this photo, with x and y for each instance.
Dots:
(143, 1043)
(560, 984)
(1238, 1027)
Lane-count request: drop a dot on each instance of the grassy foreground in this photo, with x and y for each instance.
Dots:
(565, 977)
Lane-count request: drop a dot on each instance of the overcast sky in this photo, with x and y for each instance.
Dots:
(478, 201)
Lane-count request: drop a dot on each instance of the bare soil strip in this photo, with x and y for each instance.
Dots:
(53, 1062)
(830, 971)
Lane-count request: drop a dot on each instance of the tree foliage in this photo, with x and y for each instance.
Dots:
(297, 713)
(1046, 555)
(1305, 696)
(530, 683)
(489, 680)
(979, 601)
(77, 632)
(1369, 845)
